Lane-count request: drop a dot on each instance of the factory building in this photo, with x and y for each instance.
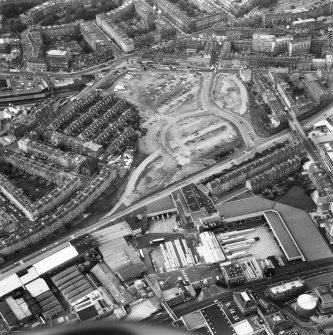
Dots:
(122, 259)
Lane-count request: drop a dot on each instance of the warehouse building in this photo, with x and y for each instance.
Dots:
(73, 285)
(210, 249)
(112, 284)
(120, 257)
(47, 301)
(293, 228)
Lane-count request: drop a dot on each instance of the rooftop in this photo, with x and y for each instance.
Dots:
(56, 53)
(283, 235)
(297, 221)
(233, 271)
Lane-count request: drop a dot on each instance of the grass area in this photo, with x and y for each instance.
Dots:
(34, 187)
(297, 197)
(257, 116)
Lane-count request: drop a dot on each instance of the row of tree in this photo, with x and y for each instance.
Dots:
(268, 3)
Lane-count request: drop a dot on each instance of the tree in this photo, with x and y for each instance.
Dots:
(50, 21)
(298, 90)
(268, 3)
(15, 26)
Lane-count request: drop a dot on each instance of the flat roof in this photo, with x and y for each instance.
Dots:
(37, 287)
(56, 52)
(325, 138)
(217, 321)
(9, 284)
(58, 258)
(29, 276)
(243, 328)
(243, 207)
(196, 199)
(283, 235)
(87, 313)
(210, 249)
(308, 238)
(297, 221)
(111, 233)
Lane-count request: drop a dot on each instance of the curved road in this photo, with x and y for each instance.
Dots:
(238, 121)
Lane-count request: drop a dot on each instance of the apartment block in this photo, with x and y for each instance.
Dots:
(112, 29)
(299, 46)
(39, 13)
(263, 43)
(145, 12)
(274, 175)
(248, 170)
(40, 229)
(58, 32)
(93, 35)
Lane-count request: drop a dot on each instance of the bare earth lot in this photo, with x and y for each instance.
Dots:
(182, 137)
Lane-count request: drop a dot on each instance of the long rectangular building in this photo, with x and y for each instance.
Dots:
(293, 228)
(107, 24)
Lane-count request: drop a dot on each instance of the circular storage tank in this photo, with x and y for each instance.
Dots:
(306, 305)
